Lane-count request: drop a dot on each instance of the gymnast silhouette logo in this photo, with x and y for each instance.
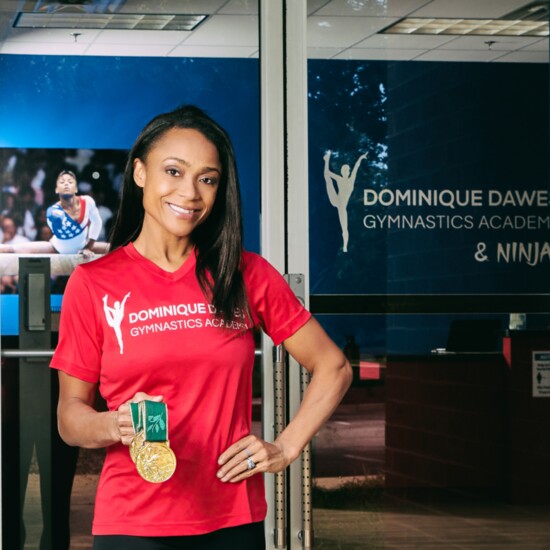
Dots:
(114, 316)
(339, 191)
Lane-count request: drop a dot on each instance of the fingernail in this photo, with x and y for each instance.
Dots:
(220, 474)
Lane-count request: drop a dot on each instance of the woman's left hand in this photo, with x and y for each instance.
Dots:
(248, 456)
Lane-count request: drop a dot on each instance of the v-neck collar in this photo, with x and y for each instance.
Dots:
(153, 268)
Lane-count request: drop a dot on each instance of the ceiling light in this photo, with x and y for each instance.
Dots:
(464, 27)
(63, 20)
(75, 6)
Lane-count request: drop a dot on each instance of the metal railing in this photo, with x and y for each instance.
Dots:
(24, 353)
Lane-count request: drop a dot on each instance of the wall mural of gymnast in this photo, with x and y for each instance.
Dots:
(74, 221)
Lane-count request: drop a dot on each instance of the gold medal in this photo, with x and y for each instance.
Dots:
(155, 461)
(150, 448)
(137, 443)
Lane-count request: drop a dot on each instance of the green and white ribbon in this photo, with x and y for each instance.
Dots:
(155, 421)
(152, 417)
(136, 417)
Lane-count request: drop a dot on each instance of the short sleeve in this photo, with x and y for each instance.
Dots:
(273, 304)
(78, 351)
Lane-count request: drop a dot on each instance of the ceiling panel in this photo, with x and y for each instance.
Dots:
(498, 43)
(213, 51)
(343, 29)
(139, 37)
(524, 57)
(38, 48)
(240, 7)
(383, 55)
(314, 5)
(322, 53)
(376, 8)
(476, 9)
(399, 41)
(129, 50)
(228, 30)
(459, 55)
(540, 46)
(54, 36)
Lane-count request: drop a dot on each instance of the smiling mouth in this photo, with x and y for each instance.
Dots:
(180, 210)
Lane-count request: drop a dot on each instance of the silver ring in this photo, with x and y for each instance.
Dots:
(250, 464)
(247, 453)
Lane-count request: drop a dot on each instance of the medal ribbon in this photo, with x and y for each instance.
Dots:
(154, 418)
(136, 417)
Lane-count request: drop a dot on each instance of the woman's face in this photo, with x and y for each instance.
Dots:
(66, 185)
(180, 178)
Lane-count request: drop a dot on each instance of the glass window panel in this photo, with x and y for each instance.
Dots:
(96, 105)
(447, 374)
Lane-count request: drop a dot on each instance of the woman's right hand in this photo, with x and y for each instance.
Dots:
(123, 417)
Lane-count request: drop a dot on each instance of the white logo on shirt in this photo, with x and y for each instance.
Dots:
(114, 316)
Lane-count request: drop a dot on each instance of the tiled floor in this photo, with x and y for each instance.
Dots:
(460, 524)
(473, 525)
(82, 503)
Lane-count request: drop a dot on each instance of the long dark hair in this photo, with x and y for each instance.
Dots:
(218, 241)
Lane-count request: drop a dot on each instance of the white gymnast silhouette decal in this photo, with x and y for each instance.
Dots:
(340, 193)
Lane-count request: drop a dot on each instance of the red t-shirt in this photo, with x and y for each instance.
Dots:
(131, 326)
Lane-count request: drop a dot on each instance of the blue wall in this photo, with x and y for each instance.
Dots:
(104, 102)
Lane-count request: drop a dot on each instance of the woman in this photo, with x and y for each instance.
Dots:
(74, 221)
(167, 316)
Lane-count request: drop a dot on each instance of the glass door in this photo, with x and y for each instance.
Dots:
(77, 84)
(427, 123)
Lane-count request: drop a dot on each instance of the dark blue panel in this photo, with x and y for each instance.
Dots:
(439, 128)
